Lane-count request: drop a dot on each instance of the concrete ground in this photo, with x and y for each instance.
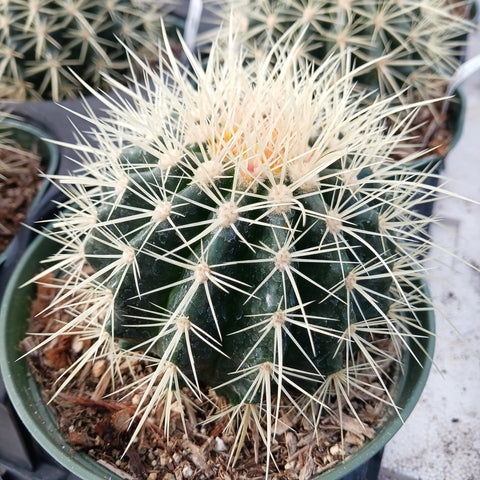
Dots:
(441, 439)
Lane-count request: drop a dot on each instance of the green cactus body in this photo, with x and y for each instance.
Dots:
(246, 234)
(222, 275)
(43, 42)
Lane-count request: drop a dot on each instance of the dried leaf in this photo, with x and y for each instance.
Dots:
(353, 425)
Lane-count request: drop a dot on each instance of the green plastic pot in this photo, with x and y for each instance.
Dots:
(27, 136)
(27, 399)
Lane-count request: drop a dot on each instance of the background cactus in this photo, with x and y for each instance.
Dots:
(411, 43)
(42, 42)
(245, 231)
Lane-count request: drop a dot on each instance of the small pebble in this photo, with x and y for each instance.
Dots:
(77, 344)
(219, 445)
(290, 465)
(335, 450)
(99, 368)
(187, 471)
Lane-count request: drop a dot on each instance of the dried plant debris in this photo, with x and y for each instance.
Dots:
(19, 183)
(201, 444)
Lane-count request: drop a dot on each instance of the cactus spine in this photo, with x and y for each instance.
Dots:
(45, 43)
(246, 232)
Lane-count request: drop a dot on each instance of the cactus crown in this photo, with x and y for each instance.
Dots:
(45, 43)
(411, 43)
(245, 231)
